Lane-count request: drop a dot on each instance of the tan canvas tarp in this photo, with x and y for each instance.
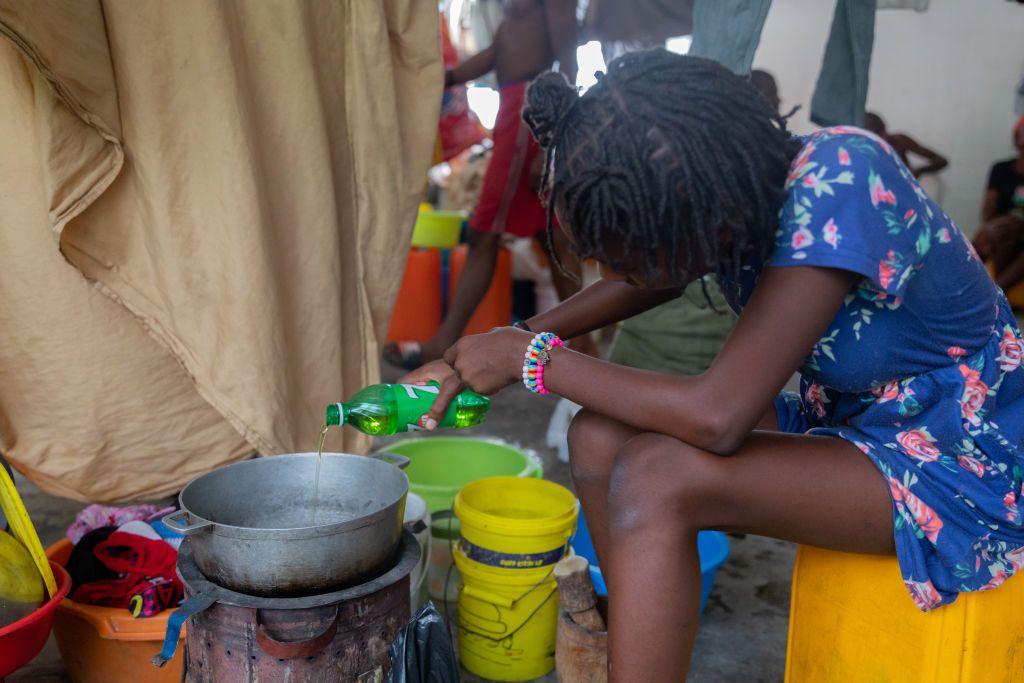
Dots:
(203, 207)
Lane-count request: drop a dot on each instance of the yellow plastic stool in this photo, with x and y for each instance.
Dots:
(851, 619)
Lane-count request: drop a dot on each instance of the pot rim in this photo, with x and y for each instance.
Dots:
(291, 533)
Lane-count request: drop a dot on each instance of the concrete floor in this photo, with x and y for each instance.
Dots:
(742, 636)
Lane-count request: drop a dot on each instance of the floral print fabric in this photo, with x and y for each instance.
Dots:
(921, 367)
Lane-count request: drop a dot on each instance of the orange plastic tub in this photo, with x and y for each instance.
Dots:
(496, 308)
(106, 644)
(418, 308)
(417, 312)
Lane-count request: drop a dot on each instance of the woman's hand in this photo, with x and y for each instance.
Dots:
(434, 371)
(485, 363)
(489, 362)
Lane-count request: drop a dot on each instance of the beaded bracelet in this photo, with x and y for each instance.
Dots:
(536, 358)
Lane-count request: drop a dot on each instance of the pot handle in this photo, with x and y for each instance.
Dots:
(399, 461)
(184, 522)
(299, 648)
(197, 603)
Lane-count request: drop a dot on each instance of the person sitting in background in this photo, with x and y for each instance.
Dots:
(904, 145)
(1000, 240)
(532, 35)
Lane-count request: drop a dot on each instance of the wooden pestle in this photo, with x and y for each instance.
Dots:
(576, 592)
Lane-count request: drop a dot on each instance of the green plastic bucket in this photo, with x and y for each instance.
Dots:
(440, 466)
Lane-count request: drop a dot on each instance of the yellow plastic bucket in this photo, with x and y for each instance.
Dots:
(437, 229)
(514, 530)
(522, 522)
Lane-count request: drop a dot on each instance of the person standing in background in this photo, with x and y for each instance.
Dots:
(532, 36)
(904, 146)
(1000, 240)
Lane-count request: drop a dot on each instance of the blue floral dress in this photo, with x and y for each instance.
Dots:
(921, 367)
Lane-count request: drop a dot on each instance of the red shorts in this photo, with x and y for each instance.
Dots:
(507, 204)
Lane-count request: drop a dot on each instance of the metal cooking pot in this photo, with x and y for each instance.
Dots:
(252, 530)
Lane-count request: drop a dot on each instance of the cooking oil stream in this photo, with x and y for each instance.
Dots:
(319, 460)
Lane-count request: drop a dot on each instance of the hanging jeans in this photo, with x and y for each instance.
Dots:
(728, 31)
(842, 88)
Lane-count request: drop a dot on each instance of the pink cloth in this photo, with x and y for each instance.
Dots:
(96, 516)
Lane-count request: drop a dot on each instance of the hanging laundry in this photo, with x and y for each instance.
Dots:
(917, 5)
(842, 88)
(728, 31)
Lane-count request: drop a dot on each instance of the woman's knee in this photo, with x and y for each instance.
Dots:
(594, 439)
(659, 480)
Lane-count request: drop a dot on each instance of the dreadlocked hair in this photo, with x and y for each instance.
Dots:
(672, 159)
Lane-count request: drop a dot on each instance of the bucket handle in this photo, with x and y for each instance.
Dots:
(296, 649)
(184, 522)
(197, 603)
(490, 597)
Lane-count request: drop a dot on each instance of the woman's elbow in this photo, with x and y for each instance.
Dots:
(727, 440)
(717, 433)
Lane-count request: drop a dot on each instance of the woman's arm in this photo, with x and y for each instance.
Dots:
(935, 161)
(785, 317)
(603, 303)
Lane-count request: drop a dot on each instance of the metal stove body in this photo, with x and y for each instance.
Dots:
(339, 636)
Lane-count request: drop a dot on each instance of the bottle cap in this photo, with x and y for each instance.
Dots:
(335, 413)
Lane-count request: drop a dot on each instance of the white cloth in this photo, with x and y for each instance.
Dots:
(140, 528)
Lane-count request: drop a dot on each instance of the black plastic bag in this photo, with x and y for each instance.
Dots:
(422, 652)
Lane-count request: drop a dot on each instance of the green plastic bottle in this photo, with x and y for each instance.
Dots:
(382, 409)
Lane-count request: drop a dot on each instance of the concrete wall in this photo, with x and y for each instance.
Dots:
(946, 76)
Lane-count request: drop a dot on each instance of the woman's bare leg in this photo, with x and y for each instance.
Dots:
(594, 441)
(816, 490)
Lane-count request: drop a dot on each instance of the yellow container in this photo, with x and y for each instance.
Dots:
(508, 620)
(437, 229)
(514, 530)
(522, 521)
(851, 620)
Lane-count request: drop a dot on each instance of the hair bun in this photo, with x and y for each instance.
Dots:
(548, 100)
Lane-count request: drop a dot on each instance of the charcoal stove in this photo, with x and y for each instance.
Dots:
(338, 636)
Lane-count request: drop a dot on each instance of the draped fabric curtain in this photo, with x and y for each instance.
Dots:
(204, 214)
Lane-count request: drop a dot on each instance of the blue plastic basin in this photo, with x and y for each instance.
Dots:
(712, 547)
